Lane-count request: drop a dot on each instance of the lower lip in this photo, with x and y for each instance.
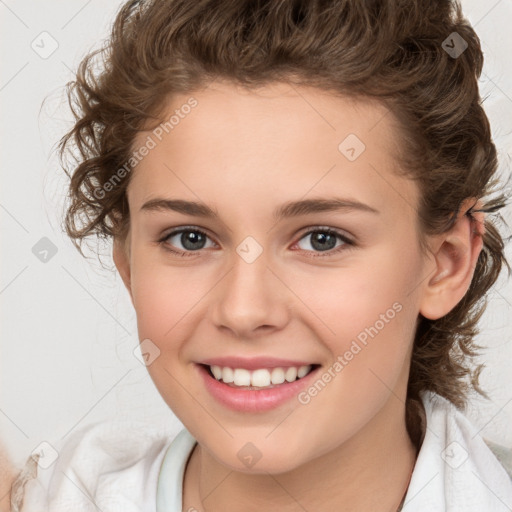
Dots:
(247, 400)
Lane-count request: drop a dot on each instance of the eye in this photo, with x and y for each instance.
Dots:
(323, 240)
(191, 238)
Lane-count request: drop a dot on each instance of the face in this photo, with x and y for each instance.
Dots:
(335, 288)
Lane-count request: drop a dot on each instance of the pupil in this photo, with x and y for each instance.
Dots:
(323, 239)
(192, 240)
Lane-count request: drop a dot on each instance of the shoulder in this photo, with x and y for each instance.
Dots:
(457, 423)
(455, 469)
(106, 466)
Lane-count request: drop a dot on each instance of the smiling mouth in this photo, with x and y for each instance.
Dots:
(262, 378)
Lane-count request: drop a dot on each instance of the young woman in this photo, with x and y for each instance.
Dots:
(296, 194)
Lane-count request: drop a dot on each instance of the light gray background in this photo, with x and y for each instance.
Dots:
(67, 327)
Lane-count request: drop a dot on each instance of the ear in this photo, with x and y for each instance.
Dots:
(121, 257)
(455, 257)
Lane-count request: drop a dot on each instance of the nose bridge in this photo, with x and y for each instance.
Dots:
(250, 296)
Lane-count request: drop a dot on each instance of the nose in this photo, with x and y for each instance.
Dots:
(251, 300)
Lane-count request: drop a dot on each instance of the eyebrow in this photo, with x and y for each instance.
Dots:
(287, 210)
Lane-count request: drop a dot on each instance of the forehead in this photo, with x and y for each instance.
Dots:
(278, 141)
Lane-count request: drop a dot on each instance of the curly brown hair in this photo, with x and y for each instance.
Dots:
(395, 51)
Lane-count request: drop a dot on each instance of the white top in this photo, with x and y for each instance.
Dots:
(121, 468)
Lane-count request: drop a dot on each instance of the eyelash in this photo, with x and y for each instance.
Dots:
(347, 243)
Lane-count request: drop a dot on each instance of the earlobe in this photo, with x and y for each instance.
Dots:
(122, 262)
(455, 262)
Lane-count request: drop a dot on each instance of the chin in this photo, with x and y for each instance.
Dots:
(250, 460)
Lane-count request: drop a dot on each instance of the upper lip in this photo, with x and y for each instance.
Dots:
(253, 363)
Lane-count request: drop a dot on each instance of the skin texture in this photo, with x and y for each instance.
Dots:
(244, 154)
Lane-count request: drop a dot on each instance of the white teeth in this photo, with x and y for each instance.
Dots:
(217, 371)
(242, 377)
(277, 376)
(261, 377)
(227, 375)
(291, 374)
(303, 371)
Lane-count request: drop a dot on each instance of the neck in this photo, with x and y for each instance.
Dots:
(370, 471)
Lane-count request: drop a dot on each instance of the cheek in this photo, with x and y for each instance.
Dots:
(350, 299)
(366, 314)
(166, 301)
(163, 296)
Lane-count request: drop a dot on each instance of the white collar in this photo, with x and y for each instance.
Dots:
(455, 470)
(169, 494)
